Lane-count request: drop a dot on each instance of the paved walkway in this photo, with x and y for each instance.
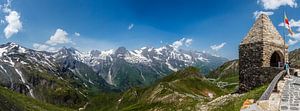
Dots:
(290, 99)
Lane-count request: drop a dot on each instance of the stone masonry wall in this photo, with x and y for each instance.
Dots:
(250, 54)
(256, 76)
(254, 64)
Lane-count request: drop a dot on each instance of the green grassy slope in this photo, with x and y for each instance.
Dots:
(235, 103)
(226, 73)
(11, 100)
(181, 90)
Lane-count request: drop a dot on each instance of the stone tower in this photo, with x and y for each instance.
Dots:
(260, 53)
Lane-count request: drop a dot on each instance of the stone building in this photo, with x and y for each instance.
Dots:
(260, 53)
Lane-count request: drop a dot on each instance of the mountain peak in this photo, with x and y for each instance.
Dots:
(10, 44)
(12, 47)
(95, 53)
(67, 51)
(121, 50)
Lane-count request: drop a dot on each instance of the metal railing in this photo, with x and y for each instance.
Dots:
(272, 85)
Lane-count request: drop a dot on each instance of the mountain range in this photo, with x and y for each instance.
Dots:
(68, 77)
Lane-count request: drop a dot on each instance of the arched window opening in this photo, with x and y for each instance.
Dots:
(276, 59)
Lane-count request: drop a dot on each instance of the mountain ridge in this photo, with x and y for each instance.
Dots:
(156, 62)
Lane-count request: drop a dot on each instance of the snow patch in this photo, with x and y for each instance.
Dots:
(22, 50)
(136, 56)
(24, 82)
(2, 51)
(142, 76)
(109, 76)
(170, 66)
(105, 54)
(90, 81)
(22, 62)
(3, 68)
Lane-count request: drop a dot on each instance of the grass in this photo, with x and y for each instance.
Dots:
(232, 77)
(236, 103)
(104, 102)
(162, 95)
(197, 86)
(15, 101)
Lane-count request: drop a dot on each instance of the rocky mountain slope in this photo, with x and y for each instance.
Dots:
(123, 68)
(13, 101)
(44, 77)
(294, 58)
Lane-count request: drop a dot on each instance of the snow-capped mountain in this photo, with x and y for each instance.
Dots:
(41, 75)
(168, 56)
(126, 68)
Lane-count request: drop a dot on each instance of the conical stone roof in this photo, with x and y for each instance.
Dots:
(263, 31)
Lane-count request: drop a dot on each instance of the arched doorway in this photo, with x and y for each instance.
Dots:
(276, 58)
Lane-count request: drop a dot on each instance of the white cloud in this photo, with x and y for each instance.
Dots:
(218, 47)
(257, 13)
(43, 47)
(6, 7)
(52, 49)
(295, 36)
(130, 26)
(292, 42)
(40, 47)
(77, 34)
(2, 21)
(178, 43)
(14, 25)
(275, 4)
(188, 42)
(59, 37)
(184, 41)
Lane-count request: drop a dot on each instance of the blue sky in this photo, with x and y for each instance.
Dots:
(106, 24)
